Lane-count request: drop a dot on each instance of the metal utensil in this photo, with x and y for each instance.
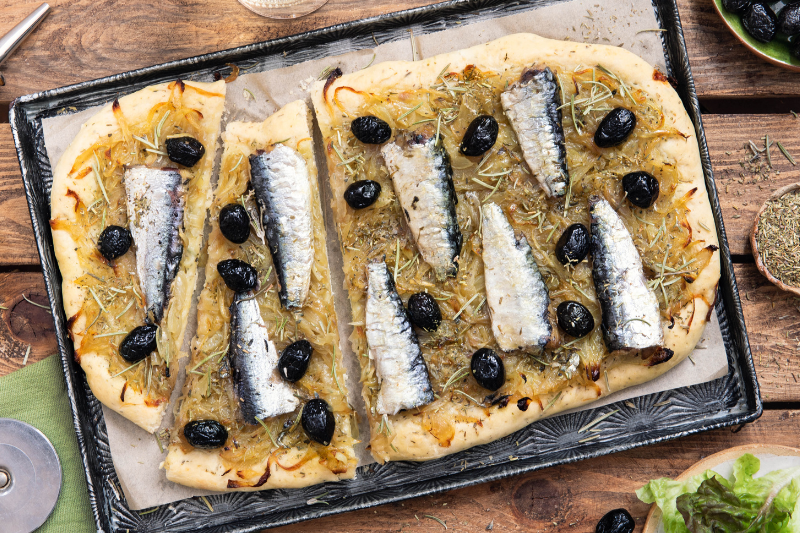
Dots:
(11, 40)
(30, 477)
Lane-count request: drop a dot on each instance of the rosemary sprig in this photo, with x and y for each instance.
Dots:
(126, 369)
(597, 420)
(437, 519)
(208, 504)
(46, 308)
(404, 115)
(550, 404)
(465, 305)
(112, 334)
(96, 169)
(458, 375)
(268, 432)
(468, 396)
(786, 153)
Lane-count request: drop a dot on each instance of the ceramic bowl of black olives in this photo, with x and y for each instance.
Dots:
(768, 28)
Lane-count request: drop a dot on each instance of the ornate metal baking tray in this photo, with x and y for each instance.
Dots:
(733, 399)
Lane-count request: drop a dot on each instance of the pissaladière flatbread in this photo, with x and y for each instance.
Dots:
(103, 298)
(442, 95)
(275, 453)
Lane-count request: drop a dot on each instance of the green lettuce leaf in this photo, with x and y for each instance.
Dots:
(708, 503)
(714, 508)
(665, 491)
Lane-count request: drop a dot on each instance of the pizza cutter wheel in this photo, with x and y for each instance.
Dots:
(30, 477)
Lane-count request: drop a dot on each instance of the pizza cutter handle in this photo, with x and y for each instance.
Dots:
(10, 41)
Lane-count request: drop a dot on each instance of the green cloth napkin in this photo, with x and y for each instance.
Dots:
(37, 394)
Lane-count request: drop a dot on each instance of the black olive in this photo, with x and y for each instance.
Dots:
(318, 422)
(480, 136)
(234, 223)
(139, 343)
(205, 434)
(641, 188)
(616, 521)
(186, 151)
(789, 19)
(573, 245)
(488, 370)
(114, 242)
(736, 6)
(424, 311)
(371, 130)
(760, 22)
(362, 194)
(615, 128)
(294, 360)
(238, 275)
(574, 318)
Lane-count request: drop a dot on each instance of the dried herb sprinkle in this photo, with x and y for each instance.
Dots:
(778, 238)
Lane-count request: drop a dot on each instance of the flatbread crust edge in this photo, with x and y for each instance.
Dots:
(204, 469)
(515, 52)
(135, 108)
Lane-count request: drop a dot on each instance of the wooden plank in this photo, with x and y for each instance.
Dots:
(17, 246)
(84, 40)
(25, 328)
(564, 498)
(742, 185)
(772, 317)
(721, 65)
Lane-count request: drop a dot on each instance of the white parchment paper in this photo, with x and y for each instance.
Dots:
(253, 97)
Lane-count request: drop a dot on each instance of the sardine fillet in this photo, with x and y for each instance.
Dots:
(281, 183)
(393, 346)
(515, 291)
(261, 392)
(532, 106)
(423, 183)
(155, 201)
(631, 316)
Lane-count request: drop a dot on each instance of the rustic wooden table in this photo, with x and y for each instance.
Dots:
(743, 99)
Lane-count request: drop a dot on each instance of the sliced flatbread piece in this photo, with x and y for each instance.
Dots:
(675, 238)
(104, 299)
(273, 451)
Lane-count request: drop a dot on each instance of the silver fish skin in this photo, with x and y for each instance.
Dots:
(532, 106)
(253, 358)
(283, 191)
(423, 182)
(393, 346)
(517, 296)
(631, 317)
(155, 201)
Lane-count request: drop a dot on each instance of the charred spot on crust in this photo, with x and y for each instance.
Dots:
(332, 77)
(115, 106)
(661, 355)
(501, 401)
(75, 197)
(233, 484)
(523, 403)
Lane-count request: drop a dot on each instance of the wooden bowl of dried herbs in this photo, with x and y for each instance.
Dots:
(775, 238)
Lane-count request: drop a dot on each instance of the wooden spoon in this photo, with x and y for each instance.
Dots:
(711, 462)
(754, 244)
